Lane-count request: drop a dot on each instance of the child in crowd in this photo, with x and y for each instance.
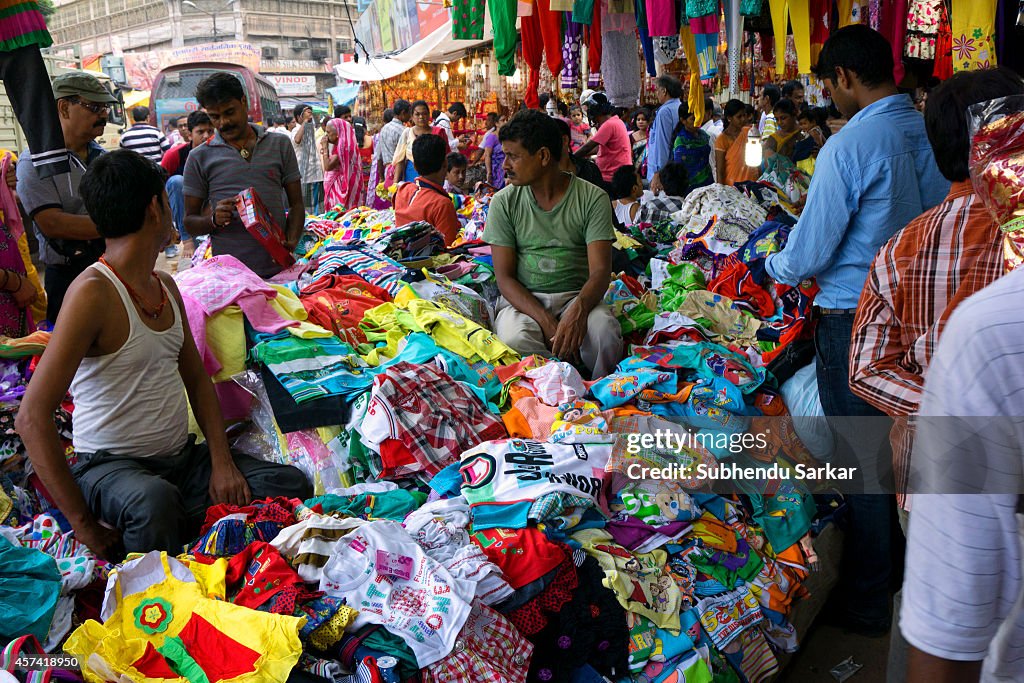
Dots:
(580, 132)
(626, 188)
(455, 180)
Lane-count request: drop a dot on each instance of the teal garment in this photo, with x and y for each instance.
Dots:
(393, 505)
(785, 516)
(447, 482)
(503, 24)
(502, 515)
(29, 588)
(751, 8)
(477, 376)
(583, 12)
(312, 368)
(384, 641)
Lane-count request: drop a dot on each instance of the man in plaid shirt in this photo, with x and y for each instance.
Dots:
(942, 257)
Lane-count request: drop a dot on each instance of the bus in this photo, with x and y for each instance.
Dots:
(174, 90)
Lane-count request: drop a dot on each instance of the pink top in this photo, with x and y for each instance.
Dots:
(615, 150)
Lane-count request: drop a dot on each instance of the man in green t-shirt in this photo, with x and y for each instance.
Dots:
(551, 239)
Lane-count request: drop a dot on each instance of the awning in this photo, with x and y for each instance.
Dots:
(343, 94)
(437, 48)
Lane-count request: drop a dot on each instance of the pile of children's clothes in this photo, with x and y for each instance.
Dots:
(479, 516)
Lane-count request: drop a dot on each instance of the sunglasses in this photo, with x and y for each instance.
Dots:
(94, 107)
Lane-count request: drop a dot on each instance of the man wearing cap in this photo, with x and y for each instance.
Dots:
(68, 241)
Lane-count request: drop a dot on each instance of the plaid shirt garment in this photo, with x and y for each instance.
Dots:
(942, 257)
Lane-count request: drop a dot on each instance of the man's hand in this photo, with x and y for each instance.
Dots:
(572, 329)
(104, 542)
(228, 486)
(307, 116)
(26, 293)
(12, 178)
(656, 185)
(291, 242)
(224, 212)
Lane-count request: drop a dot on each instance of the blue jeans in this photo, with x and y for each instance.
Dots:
(176, 197)
(867, 563)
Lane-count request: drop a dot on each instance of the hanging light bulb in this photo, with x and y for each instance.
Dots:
(444, 74)
(752, 152)
(462, 68)
(422, 75)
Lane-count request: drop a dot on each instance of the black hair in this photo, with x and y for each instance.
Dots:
(299, 110)
(563, 108)
(672, 85)
(401, 106)
(359, 124)
(772, 92)
(785, 106)
(820, 115)
(709, 106)
(434, 114)
(861, 50)
(428, 153)
(420, 103)
(174, 121)
(198, 118)
(542, 100)
(563, 128)
(791, 87)
(140, 114)
(458, 108)
(389, 115)
(732, 108)
(492, 119)
(117, 188)
(945, 117)
(806, 114)
(684, 113)
(750, 109)
(623, 181)
(341, 110)
(644, 111)
(219, 88)
(674, 179)
(534, 130)
(456, 160)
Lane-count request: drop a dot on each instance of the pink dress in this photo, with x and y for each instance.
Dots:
(345, 185)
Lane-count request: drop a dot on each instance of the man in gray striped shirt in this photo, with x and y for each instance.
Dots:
(963, 593)
(144, 138)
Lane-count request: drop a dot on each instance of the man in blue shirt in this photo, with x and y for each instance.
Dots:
(660, 139)
(871, 178)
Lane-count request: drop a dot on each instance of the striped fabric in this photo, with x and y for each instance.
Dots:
(21, 25)
(916, 280)
(147, 141)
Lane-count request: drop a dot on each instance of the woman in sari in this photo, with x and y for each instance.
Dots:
(787, 134)
(641, 128)
(343, 172)
(19, 284)
(729, 146)
(691, 147)
(404, 169)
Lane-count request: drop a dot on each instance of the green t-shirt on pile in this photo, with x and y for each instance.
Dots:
(551, 246)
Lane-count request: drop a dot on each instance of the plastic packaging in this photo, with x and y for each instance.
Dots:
(997, 168)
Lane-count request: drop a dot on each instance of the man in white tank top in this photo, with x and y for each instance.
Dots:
(124, 348)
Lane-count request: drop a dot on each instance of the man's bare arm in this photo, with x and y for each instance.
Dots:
(60, 225)
(197, 218)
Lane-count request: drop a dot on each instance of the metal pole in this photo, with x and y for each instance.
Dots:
(735, 38)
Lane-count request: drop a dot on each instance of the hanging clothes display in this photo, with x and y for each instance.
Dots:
(894, 28)
(800, 18)
(705, 33)
(923, 20)
(695, 95)
(943, 46)
(780, 21)
(820, 12)
(594, 47)
(571, 52)
(662, 19)
(646, 44)
(503, 24)
(973, 29)
(621, 67)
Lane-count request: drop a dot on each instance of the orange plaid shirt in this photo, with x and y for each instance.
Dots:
(924, 272)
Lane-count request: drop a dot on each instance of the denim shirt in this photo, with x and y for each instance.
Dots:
(871, 178)
(659, 144)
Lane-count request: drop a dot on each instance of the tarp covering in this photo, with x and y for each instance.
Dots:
(436, 48)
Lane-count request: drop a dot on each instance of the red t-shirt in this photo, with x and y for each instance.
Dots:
(615, 150)
(523, 555)
(338, 302)
(423, 200)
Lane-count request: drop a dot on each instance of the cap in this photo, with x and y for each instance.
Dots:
(585, 97)
(81, 85)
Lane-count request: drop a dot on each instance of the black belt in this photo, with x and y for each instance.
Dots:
(818, 310)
